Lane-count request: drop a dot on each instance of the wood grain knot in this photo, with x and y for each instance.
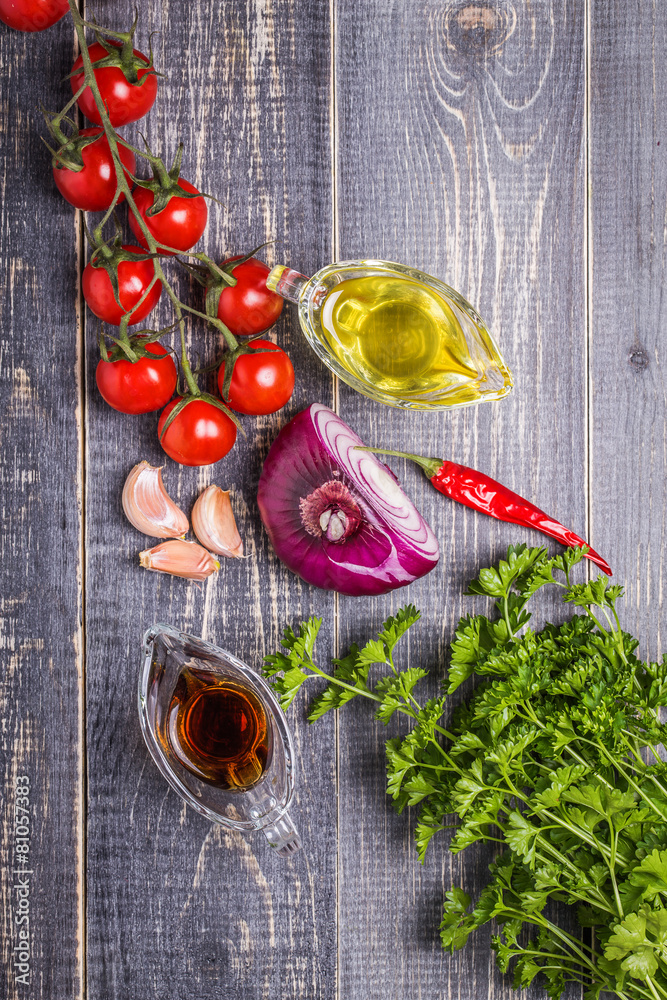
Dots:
(480, 27)
(638, 359)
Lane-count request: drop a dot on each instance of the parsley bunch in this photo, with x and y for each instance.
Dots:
(547, 758)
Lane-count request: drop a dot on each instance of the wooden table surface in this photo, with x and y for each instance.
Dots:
(511, 147)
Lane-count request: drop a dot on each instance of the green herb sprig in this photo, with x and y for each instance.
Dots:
(554, 757)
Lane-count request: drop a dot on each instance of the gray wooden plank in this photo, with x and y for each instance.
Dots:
(177, 907)
(628, 174)
(461, 150)
(40, 470)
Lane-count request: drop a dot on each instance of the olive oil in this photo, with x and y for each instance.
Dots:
(396, 333)
(218, 730)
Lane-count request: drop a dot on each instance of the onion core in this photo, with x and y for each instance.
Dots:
(335, 515)
(330, 511)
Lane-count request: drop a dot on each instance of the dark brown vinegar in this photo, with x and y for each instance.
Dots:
(218, 730)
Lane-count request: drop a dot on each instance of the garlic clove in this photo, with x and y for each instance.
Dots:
(214, 525)
(180, 558)
(149, 507)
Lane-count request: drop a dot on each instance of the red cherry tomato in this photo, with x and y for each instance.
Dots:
(261, 383)
(248, 307)
(93, 188)
(32, 15)
(181, 222)
(139, 387)
(134, 277)
(126, 102)
(200, 435)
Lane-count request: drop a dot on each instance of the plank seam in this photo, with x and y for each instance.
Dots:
(588, 280)
(588, 283)
(336, 402)
(83, 465)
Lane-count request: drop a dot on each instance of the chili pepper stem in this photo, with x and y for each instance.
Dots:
(431, 466)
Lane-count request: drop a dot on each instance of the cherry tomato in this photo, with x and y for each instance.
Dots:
(248, 307)
(126, 102)
(93, 188)
(181, 222)
(134, 277)
(200, 435)
(261, 383)
(139, 387)
(32, 15)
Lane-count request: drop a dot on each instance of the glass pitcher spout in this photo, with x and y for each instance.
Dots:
(396, 334)
(282, 835)
(287, 283)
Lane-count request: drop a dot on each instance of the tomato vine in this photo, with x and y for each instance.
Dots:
(105, 289)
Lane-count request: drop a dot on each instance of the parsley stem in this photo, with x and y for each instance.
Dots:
(602, 630)
(530, 715)
(647, 774)
(651, 985)
(638, 989)
(559, 821)
(612, 868)
(452, 764)
(545, 954)
(635, 752)
(567, 939)
(406, 694)
(445, 732)
(510, 633)
(555, 853)
(581, 834)
(615, 762)
(335, 680)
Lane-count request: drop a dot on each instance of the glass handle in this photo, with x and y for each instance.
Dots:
(283, 837)
(286, 282)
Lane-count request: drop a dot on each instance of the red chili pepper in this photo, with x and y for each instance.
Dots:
(482, 493)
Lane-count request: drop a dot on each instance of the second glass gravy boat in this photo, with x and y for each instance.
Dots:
(396, 334)
(247, 789)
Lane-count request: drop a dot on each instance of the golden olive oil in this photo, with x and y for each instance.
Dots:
(396, 333)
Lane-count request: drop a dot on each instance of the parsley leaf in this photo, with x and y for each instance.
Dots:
(545, 759)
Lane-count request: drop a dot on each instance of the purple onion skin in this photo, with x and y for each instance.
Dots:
(388, 544)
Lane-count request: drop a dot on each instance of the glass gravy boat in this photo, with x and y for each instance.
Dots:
(248, 789)
(396, 334)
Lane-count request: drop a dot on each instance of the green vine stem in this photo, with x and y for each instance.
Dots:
(123, 187)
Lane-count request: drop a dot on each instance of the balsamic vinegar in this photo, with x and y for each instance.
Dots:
(218, 730)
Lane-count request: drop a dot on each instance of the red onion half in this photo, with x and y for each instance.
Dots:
(337, 516)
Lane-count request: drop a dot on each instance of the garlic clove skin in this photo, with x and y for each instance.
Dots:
(180, 558)
(214, 525)
(149, 507)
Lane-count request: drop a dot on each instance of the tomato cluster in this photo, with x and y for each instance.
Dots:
(95, 170)
(127, 85)
(201, 432)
